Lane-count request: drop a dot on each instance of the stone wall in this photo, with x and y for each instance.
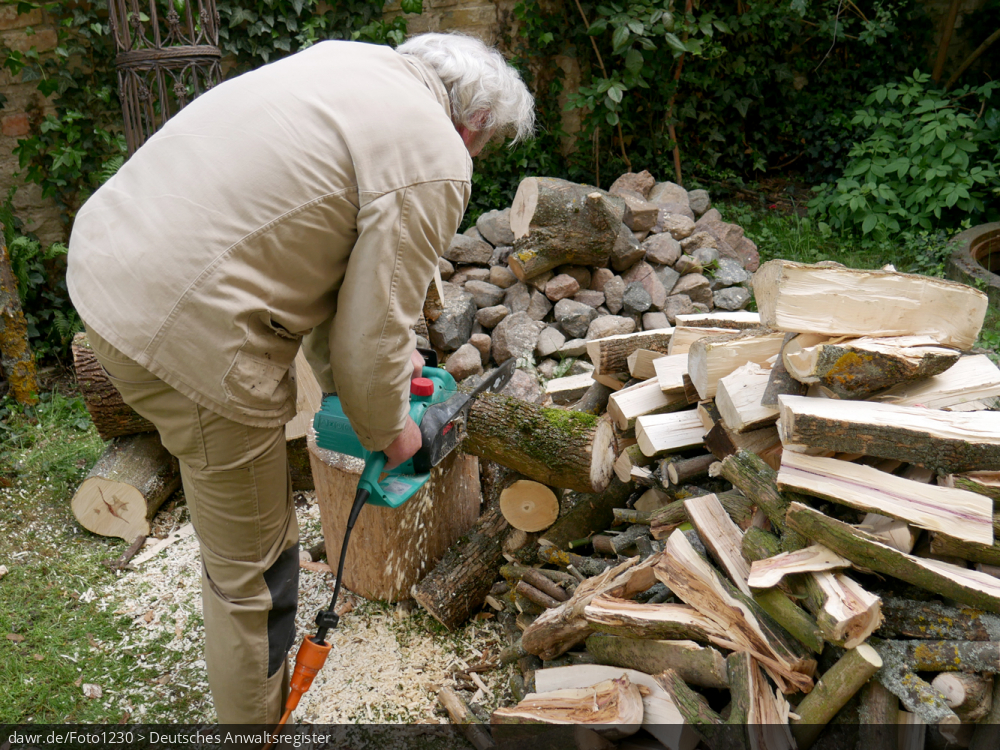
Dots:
(25, 107)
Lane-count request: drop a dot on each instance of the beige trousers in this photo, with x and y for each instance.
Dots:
(239, 494)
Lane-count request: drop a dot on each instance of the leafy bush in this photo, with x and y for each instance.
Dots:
(931, 157)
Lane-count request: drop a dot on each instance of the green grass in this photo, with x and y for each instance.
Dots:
(49, 595)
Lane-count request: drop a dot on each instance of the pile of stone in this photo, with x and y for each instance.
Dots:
(673, 255)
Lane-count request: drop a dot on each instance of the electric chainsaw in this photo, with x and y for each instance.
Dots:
(441, 412)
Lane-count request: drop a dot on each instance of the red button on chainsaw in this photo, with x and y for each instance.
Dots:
(422, 387)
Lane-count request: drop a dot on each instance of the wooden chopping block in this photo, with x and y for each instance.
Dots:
(391, 549)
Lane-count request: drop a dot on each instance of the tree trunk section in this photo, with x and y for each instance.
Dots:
(129, 482)
(610, 354)
(529, 506)
(969, 695)
(111, 416)
(592, 513)
(556, 447)
(15, 354)
(877, 717)
(460, 582)
(557, 222)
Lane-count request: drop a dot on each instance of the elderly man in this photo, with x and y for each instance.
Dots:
(306, 202)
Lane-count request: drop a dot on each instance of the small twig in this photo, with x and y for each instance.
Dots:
(972, 58)
(857, 10)
(127, 555)
(836, 21)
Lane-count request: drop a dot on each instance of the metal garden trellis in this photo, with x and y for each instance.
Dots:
(168, 54)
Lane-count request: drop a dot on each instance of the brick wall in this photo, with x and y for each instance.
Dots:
(25, 106)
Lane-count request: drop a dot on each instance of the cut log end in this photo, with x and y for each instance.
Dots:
(529, 506)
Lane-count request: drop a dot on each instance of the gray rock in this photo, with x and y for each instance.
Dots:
(614, 290)
(729, 273)
(465, 249)
(667, 276)
(484, 293)
(699, 201)
(732, 298)
(423, 343)
(540, 281)
(454, 326)
(502, 277)
(609, 325)
(539, 306)
(640, 183)
(525, 387)
(574, 348)
(711, 216)
(446, 268)
(677, 304)
(580, 367)
(495, 227)
(574, 318)
(500, 255)
(515, 337)
(662, 249)
(640, 215)
(677, 225)
(517, 297)
(549, 342)
(698, 240)
(482, 342)
(636, 299)
(746, 249)
(464, 362)
(667, 192)
(701, 308)
(626, 250)
(580, 273)
(561, 287)
(706, 256)
(653, 321)
(645, 275)
(687, 264)
(459, 278)
(489, 317)
(547, 368)
(590, 297)
(681, 209)
(474, 273)
(600, 277)
(695, 286)
(474, 234)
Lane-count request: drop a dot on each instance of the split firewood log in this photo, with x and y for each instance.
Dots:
(610, 355)
(712, 358)
(858, 368)
(659, 433)
(971, 379)
(556, 222)
(722, 538)
(638, 400)
(739, 395)
(684, 337)
(612, 708)
(128, 484)
(736, 321)
(670, 371)
(614, 616)
(556, 447)
(840, 301)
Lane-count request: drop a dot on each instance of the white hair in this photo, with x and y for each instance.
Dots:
(485, 91)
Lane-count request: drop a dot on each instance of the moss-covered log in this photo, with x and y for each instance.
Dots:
(758, 481)
(906, 618)
(697, 665)
(593, 512)
(556, 447)
(15, 354)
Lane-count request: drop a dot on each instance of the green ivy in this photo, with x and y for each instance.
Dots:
(931, 158)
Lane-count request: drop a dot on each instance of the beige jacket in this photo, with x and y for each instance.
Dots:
(314, 194)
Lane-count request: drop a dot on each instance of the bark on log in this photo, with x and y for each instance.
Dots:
(470, 725)
(299, 466)
(758, 481)
(966, 586)
(944, 655)
(696, 712)
(610, 354)
(111, 416)
(586, 566)
(969, 695)
(460, 582)
(613, 616)
(916, 694)
(556, 222)
(970, 379)
(592, 513)
(556, 447)
(837, 686)
(859, 368)
(934, 620)
(595, 400)
(697, 665)
(129, 482)
(16, 359)
(737, 321)
(877, 717)
(779, 382)
(792, 618)
(987, 733)
(943, 441)
(798, 297)
(682, 469)
(756, 706)
(535, 596)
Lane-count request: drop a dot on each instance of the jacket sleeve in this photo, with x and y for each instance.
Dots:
(400, 238)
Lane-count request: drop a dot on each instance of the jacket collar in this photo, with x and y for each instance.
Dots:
(432, 81)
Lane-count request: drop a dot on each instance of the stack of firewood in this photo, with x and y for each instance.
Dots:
(787, 521)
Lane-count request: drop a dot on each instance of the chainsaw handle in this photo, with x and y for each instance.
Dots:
(374, 467)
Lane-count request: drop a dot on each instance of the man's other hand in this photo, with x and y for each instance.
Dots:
(417, 360)
(404, 446)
